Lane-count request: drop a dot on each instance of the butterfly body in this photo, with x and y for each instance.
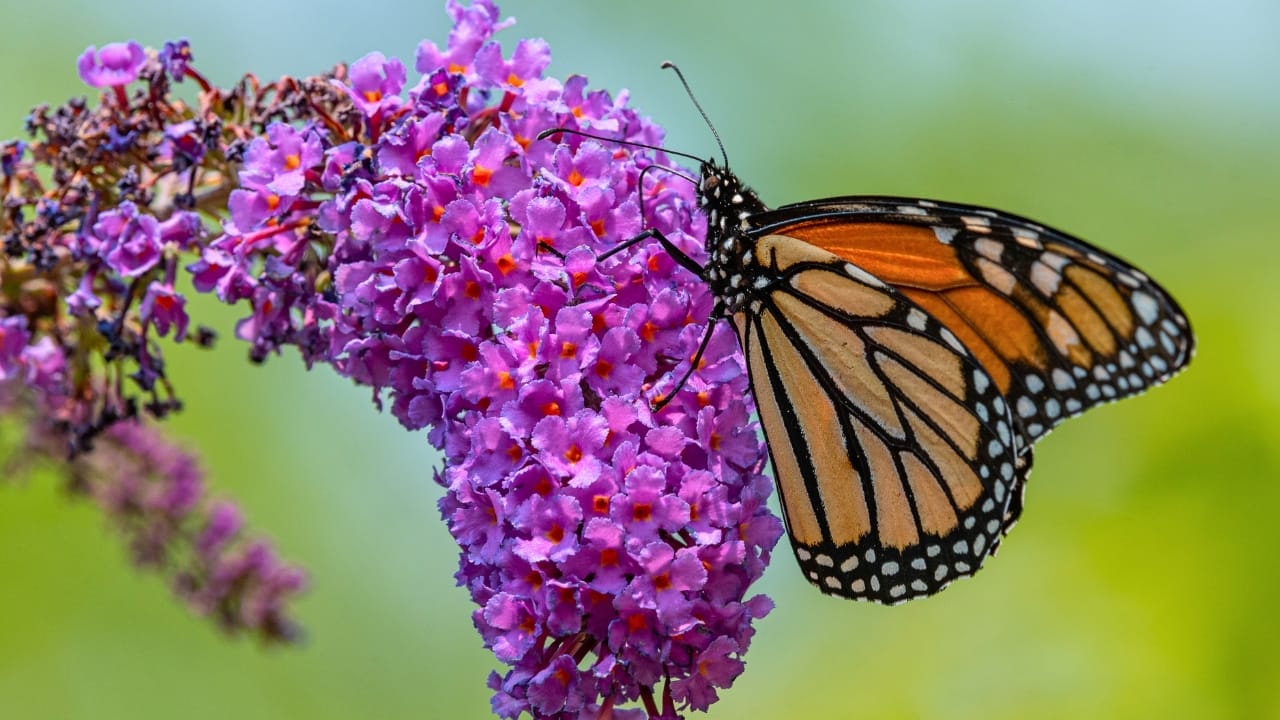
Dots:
(905, 354)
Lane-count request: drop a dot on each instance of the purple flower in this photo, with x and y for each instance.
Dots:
(184, 141)
(554, 690)
(13, 340)
(278, 164)
(717, 666)
(165, 308)
(472, 27)
(114, 65)
(83, 302)
(128, 240)
(11, 154)
(376, 83)
(46, 365)
(551, 526)
(528, 61)
(176, 58)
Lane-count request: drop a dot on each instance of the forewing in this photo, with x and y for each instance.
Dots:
(1058, 324)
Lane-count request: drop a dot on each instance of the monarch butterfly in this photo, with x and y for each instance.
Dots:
(905, 355)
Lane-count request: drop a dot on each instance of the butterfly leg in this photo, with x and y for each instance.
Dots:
(688, 263)
(681, 258)
(693, 364)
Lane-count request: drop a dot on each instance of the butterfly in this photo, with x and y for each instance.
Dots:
(905, 355)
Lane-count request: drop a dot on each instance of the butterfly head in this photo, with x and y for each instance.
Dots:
(726, 201)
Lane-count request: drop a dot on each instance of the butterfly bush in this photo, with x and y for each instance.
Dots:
(425, 242)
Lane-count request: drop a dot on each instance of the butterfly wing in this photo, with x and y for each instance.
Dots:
(892, 446)
(1060, 325)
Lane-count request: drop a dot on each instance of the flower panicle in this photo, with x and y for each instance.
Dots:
(153, 495)
(103, 206)
(424, 242)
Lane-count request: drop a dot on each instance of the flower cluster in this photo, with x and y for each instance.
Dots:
(425, 242)
(100, 210)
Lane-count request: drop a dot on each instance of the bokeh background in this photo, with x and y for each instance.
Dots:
(1143, 580)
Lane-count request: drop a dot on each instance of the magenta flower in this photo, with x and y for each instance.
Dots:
(176, 58)
(128, 240)
(165, 308)
(114, 65)
(376, 83)
(13, 341)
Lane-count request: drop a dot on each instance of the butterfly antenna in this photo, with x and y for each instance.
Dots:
(702, 112)
(617, 141)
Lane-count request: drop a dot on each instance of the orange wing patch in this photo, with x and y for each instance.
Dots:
(901, 255)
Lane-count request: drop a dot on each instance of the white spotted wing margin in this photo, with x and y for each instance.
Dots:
(891, 447)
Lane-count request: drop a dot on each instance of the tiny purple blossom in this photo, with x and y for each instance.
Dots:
(130, 240)
(114, 65)
(376, 83)
(13, 339)
(176, 57)
(165, 308)
(717, 666)
(46, 365)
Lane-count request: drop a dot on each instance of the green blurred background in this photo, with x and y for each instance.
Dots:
(1142, 581)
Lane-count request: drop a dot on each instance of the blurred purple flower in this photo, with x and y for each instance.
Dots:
(128, 240)
(13, 341)
(165, 308)
(114, 65)
(176, 58)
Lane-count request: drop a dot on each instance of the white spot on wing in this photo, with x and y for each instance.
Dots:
(951, 340)
(980, 382)
(1051, 408)
(1053, 260)
(988, 248)
(976, 224)
(1146, 307)
(1026, 238)
(996, 276)
(865, 277)
(1062, 379)
(1045, 279)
